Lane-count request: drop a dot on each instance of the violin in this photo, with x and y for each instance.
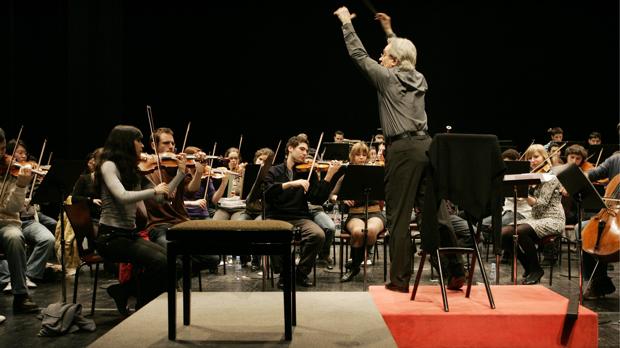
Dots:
(148, 162)
(218, 173)
(15, 166)
(320, 166)
(601, 236)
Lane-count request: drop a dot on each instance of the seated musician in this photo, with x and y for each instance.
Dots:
(39, 236)
(601, 284)
(163, 216)
(356, 216)
(233, 185)
(197, 203)
(287, 194)
(12, 197)
(547, 218)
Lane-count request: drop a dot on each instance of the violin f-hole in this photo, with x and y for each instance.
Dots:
(601, 228)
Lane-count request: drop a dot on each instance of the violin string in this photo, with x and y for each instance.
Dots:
(6, 175)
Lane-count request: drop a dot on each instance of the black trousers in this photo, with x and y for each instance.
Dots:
(120, 245)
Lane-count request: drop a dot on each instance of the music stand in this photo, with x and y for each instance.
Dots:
(250, 172)
(363, 182)
(519, 184)
(55, 187)
(335, 151)
(587, 198)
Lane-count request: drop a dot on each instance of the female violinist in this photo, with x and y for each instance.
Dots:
(358, 155)
(600, 283)
(122, 193)
(233, 184)
(37, 228)
(12, 196)
(547, 217)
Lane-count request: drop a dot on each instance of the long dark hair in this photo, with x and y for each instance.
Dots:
(120, 149)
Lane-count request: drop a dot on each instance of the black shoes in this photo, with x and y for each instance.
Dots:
(22, 303)
(533, 277)
(397, 288)
(303, 280)
(456, 282)
(599, 288)
(325, 262)
(351, 272)
(120, 297)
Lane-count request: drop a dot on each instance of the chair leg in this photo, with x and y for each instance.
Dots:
(418, 275)
(199, 282)
(92, 306)
(384, 259)
(75, 282)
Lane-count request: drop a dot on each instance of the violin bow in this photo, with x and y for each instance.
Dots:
(523, 154)
(34, 180)
(8, 169)
(548, 159)
(275, 154)
(186, 134)
(599, 157)
(209, 175)
(314, 159)
(239, 148)
(49, 159)
(369, 6)
(149, 115)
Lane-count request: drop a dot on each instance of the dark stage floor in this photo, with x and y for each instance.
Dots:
(21, 330)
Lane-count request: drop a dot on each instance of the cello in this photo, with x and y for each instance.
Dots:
(601, 236)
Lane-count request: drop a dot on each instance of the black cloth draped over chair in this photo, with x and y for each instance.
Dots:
(468, 170)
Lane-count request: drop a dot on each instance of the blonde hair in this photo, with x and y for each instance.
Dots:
(538, 149)
(358, 148)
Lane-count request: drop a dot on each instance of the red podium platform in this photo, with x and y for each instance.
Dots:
(526, 316)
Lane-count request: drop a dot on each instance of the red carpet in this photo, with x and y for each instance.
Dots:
(525, 316)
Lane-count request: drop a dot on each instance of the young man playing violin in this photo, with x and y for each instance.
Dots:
(287, 194)
(36, 229)
(12, 197)
(162, 216)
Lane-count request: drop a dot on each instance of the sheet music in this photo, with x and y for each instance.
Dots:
(543, 177)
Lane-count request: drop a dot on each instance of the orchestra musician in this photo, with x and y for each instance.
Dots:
(36, 229)
(287, 194)
(12, 197)
(547, 218)
(400, 91)
(601, 284)
(122, 194)
(356, 216)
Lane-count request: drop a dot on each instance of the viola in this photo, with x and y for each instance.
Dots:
(601, 236)
(218, 173)
(148, 162)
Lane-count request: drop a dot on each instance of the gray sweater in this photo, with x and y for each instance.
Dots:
(400, 92)
(118, 206)
(11, 202)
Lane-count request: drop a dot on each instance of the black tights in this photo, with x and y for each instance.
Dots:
(526, 252)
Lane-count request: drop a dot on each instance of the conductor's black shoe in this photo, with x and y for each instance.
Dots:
(351, 272)
(22, 303)
(397, 288)
(533, 277)
(303, 280)
(117, 293)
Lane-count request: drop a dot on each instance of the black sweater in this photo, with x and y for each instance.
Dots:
(292, 203)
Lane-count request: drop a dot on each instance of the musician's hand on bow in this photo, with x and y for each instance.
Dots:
(305, 184)
(349, 202)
